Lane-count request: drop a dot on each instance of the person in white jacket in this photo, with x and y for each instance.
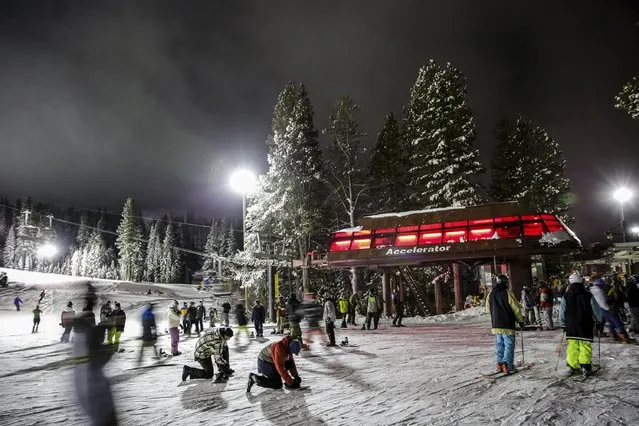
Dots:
(329, 320)
(174, 327)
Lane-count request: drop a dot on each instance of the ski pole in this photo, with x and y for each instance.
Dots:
(522, 347)
(599, 348)
(559, 350)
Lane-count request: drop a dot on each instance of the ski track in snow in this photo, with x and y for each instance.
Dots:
(423, 374)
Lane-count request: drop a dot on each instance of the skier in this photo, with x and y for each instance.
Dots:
(41, 297)
(226, 310)
(66, 321)
(193, 318)
(280, 308)
(313, 312)
(92, 387)
(294, 317)
(36, 319)
(546, 304)
(240, 315)
(579, 312)
(374, 306)
(17, 301)
(353, 302)
(528, 305)
(632, 296)
(399, 309)
(342, 302)
(149, 332)
(329, 320)
(212, 344)
(257, 317)
(615, 326)
(504, 312)
(199, 318)
(174, 327)
(275, 363)
(118, 320)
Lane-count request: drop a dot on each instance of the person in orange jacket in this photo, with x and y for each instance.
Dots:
(275, 363)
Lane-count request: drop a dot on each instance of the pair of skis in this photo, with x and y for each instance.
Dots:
(492, 377)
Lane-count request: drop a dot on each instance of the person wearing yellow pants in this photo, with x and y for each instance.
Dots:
(118, 320)
(578, 313)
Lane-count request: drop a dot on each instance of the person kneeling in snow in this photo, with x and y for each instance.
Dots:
(275, 363)
(212, 344)
(504, 312)
(579, 312)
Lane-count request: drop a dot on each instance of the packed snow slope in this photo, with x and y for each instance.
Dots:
(426, 373)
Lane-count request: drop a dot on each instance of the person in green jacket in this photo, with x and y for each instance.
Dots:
(344, 307)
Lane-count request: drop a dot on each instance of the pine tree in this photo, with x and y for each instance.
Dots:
(212, 247)
(628, 98)
(439, 131)
(170, 258)
(93, 256)
(289, 201)
(387, 169)
(9, 251)
(230, 243)
(344, 156)
(129, 243)
(153, 252)
(529, 167)
(84, 233)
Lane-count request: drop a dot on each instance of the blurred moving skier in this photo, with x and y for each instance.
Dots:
(632, 296)
(92, 387)
(105, 318)
(329, 320)
(36, 319)
(275, 363)
(257, 317)
(118, 321)
(615, 326)
(66, 321)
(579, 312)
(212, 344)
(226, 310)
(149, 332)
(174, 327)
(546, 304)
(504, 312)
(294, 317)
(242, 322)
(17, 301)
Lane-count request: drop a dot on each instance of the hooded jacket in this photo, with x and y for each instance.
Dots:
(578, 312)
(504, 310)
(174, 317)
(277, 354)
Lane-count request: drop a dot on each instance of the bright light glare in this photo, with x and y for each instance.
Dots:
(622, 194)
(47, 250)
(243, 181)
(635, 229)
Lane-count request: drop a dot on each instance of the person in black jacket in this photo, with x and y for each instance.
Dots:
(258, 317)
(504, 312)
(632, 297)
(192, 315)
(226, 310)
(578, 312)
(199, 318)
(240, 315)
(118, 320)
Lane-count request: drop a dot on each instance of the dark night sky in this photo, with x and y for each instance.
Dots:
(160, 100)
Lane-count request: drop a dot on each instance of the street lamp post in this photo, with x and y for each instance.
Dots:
(622, 195)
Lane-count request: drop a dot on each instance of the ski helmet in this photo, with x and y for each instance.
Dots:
(294, 347)
(501, 279)
(575, 278)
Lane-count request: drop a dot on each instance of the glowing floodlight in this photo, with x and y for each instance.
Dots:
(47, 250)
(622, 194)
(243, 181)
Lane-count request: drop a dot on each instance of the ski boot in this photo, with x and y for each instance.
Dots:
(252, 335)
(221, 378)
(499, 367)
(251, 382)
(186, 372)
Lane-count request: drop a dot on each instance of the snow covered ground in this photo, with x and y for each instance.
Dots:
(423, 374)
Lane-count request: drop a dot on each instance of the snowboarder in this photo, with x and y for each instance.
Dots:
(41, 297)
(294, 317)
(504, 312)
(399, 309)
(226, 310)
(118, 321)
(373, 308)
(257, 317)
(17, 301)
(343, 304)
(240, 315)
(280, 307)
(615, 326)
(174, 327)
(212, 344)
(149, 332)
(578, 312)
(353, 302)
(546, 303)
(66, 321)
(193, 318)
(36, 319)
(199, 318)
(275, 363)
(92, 387)
(632, 296)
(329, 320)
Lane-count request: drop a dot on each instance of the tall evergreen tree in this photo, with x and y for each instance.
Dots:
(230, 243)
(84, 233)
(170, 258)
(387, 169)
(439, 130)
(289, 202)
(529, 167)
(153, 252)
(212, 247)
(9, 251)
(129, 243)
(628, 98)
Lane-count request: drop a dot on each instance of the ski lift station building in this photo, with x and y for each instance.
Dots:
(497, 238)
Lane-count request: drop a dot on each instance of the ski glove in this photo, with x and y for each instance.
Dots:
(297, 377)
(294, 385)
(297, 382)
